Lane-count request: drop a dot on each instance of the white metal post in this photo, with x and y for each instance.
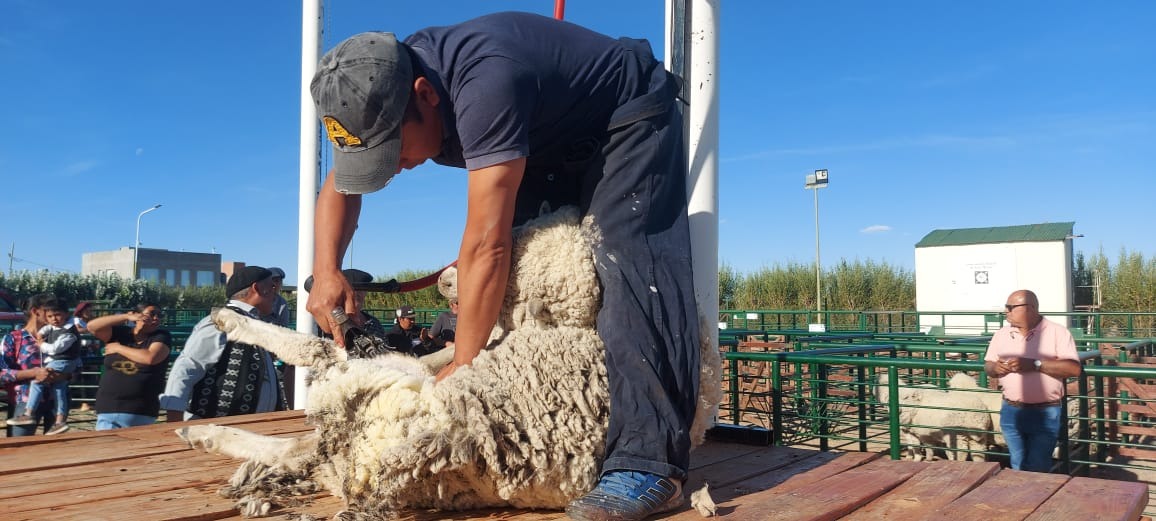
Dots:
(309, 178)
(814, 182)
(818, 265)
(696, 61)
(136, 244)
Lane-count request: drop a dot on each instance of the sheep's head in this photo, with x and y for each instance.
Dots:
(552, 278)
(448, 283)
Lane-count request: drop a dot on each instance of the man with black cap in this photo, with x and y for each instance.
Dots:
(542, 113)
(210, 377)
(407, 337)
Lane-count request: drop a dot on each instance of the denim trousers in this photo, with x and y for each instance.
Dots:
(59, 389)
(1031, 434)
(106, 421)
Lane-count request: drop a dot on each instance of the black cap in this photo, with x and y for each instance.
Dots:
(406, 312)
(361, 90)
(244, 278)
(356, 276)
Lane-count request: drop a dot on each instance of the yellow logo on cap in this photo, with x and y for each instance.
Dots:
(337, 133)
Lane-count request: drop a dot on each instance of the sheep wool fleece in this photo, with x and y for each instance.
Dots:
(524, 426)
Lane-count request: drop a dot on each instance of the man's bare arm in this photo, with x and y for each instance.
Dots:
(484, 258)
(156, 353)
(333, 225)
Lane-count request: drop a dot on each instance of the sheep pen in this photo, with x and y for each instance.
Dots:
(523, 426)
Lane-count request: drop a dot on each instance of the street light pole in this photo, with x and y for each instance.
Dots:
(136, 244)
(814, 182)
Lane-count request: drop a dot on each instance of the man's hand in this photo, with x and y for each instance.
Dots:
(331, 291)
(41, 374)
(447, 371)
(424, 335)
(1018, 365)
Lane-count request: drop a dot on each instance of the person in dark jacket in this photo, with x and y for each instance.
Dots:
(407, 337)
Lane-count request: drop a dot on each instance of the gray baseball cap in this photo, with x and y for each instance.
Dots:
(361, 89)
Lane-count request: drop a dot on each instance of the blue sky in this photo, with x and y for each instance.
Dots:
(927, 115)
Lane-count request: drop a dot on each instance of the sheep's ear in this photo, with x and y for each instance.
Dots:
(544, 209)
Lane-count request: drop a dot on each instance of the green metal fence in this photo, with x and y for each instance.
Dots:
(1098, 324)
(824, 394)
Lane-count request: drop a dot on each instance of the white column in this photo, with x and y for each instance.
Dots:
(309, 178)
(700, 56)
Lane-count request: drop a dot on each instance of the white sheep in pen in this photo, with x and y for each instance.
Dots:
(524, 426)
(993, 402)
(935, 418)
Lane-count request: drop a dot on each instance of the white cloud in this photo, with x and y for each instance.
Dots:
(876, 228)
(80, 167)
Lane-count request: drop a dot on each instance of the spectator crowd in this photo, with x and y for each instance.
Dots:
(209, 376)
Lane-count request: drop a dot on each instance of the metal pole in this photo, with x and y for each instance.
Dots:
(696, 61)
(136, 244)
(309, 175)
(818, 269)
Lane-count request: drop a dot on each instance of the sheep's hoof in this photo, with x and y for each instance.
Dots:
(197, 436)
(227, 320)
(253, 507)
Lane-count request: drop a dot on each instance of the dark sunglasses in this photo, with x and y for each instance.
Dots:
(1012, 306)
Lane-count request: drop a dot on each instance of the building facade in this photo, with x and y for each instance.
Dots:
(170, 268)
(975, 269)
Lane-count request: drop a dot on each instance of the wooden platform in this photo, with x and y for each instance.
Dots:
(147, 473)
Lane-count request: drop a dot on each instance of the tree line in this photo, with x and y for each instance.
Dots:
(1126, 285)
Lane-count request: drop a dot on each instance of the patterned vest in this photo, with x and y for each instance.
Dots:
(232, 386)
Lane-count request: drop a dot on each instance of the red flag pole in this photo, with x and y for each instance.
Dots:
(559, 9)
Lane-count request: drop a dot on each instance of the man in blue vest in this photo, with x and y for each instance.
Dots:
(542, 113)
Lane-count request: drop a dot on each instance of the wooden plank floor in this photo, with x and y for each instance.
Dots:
(147, 473)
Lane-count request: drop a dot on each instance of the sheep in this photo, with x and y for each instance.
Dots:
(523, 426)
(933, 417)
(993, 402)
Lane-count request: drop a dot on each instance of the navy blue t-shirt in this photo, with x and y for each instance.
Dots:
(516, 85)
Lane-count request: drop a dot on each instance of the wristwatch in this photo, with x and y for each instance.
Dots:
(1038, 363)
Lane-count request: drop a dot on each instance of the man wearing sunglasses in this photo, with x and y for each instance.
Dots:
(1031, 356)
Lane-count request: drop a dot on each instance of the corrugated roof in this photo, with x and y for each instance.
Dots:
(1023, 233)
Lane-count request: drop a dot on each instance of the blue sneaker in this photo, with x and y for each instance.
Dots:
(627, 495)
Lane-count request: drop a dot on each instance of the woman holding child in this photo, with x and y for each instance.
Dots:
(135, 357)
(21, 365)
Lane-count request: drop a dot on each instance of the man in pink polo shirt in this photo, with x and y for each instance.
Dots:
(1031, 357)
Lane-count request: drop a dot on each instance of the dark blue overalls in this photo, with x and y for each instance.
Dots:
(632, 181)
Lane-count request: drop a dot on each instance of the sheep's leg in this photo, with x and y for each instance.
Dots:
(436, 360)
(293, 347)
(951, 446)
(913, 443)
(287, 453)
(930, 439)
(978, 445)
